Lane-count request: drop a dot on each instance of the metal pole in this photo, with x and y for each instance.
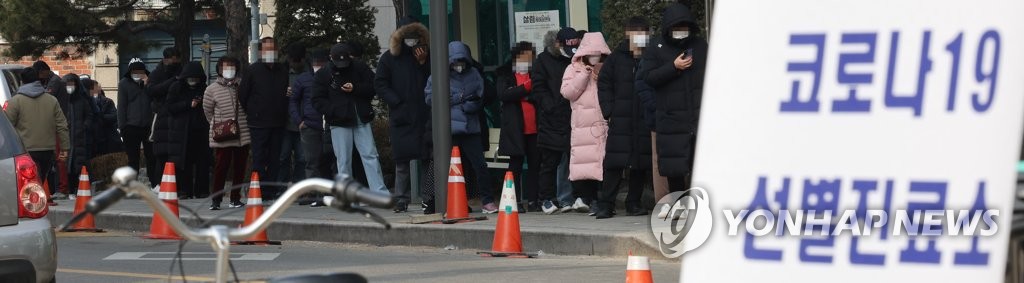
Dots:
(254, 34)
(440, 115)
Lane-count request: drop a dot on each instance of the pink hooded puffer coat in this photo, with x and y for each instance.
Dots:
(589, 129)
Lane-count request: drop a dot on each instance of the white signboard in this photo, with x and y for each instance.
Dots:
(532, 26)
(888, 126)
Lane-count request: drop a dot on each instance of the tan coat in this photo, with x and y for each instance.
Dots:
(219, 102)
(38, 119)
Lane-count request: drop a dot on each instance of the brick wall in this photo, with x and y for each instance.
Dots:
(63, 60)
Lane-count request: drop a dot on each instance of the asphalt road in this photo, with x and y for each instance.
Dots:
(117, 257)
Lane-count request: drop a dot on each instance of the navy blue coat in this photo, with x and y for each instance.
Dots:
(466, 96)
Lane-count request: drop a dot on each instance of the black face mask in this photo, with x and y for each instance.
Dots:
(342, 63)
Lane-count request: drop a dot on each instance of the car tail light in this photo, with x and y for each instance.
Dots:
(32, 197)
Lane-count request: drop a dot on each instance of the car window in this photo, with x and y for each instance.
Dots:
(10, 143)
(10, 85)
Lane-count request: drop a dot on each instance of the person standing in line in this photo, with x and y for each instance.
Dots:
(628, 152)
(105, 126)
(519, 122)
(401, 74)
(220, 103)
(81, 123)
(309, 121)
(56, 87)
(160, 81)
(264, 97)
(343, 92)
(674, 68)
(39, 122)
(589, 128)
(188, 135)
(293, 157)
(135, 117)
(553, 118)
(466, 99)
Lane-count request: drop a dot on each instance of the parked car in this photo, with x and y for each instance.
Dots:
(28, 244)
(9, 82)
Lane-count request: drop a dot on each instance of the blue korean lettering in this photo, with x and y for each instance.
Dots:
(810, 105)
(915, 99)
(863, 187)
(821, 199)
(852, 103)
(930, 254)
(974, 256)
(761, 201)
(990, 76)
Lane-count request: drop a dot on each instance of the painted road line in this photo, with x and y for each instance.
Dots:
(131, 274)
(207, 256)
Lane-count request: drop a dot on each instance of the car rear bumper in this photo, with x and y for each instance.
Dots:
(33, 240)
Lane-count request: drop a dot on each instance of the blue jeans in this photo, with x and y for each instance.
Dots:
(342, 139)
(563, 186)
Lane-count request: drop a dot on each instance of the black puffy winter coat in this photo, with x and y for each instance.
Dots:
(81, 125)
(677, 93)
(186, 122)
(107, 138)
(338, 107)
(553, 111)
(629, 139)
(160, 81)
(399, 82)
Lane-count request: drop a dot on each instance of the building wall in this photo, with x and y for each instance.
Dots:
(62, 60)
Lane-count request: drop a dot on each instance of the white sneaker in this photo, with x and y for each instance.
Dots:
(71, 197)
(548, 207)
(580, 206)
(667, 209)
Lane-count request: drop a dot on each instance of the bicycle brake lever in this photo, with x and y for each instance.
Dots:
(348, 207)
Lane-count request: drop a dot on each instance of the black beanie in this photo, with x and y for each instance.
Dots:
(40, 66)
(29, 75)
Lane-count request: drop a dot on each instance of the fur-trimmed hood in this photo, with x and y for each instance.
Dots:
(396, 44)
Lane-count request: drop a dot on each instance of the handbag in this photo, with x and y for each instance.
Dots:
(227, 130)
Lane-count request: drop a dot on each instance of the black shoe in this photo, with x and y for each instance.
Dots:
(635, 209)
(401, 207)
(469, 209)
(428, 208)
(236, 204)
(533, 206)
(215, 206)
(604, 213)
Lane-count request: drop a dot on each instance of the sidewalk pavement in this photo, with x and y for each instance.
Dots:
(563, 234)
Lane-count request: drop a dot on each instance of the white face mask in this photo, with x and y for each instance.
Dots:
(566, 55)
(70, 89)
(459, 68)
(594, 60)
(315, 69)
(192, 81)
(136, 78)
(268, 57)
(411, 42)
(521, 67)
(228, 73)
(640, 40)
(680, 34)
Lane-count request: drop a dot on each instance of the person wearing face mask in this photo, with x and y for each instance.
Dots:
(159, 83)
(135, 117)
(55, 86)
(220, 103)
(264, 97)
(553, 121)
(309, 121)
(105, 126)
(629, 139)
(343, 91)
(81, 122)
(518, 138)
(402, 72)
(674, 69)
(589, 128)
(188, 134)
(466, 100)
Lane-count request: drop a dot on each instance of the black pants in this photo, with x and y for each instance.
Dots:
(473, 156)
(134, 139)
(266, 148)
(586, 190)
(679, 184)
(194, 174)
(43, 160)
(526, 185)
(613, 180)
(548, 173)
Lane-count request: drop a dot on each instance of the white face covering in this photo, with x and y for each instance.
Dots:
(594, 59)
(521, 67)
(315, 69)
(411, 42)
(459, 68)
(680, 34)
(192, 81)
(70, 89)
(269, 56)
(566, 55)
(640, 40)
(228, 73)
(137, 78)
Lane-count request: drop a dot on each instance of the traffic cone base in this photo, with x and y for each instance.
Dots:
(88, 223)
(253, 210)
(169, 195)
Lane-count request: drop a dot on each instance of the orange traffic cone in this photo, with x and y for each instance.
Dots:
(169, 194)
(507, 240)
(88, 223)
(458, 209)
(253, 210)
(638, 269)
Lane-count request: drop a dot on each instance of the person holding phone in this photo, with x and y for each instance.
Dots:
(673, 66)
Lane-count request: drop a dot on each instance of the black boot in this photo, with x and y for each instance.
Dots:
(429, 207)
(604, 211)
(635, 209)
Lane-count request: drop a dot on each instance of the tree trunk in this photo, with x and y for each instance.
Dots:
(236, 17)
(183, 36)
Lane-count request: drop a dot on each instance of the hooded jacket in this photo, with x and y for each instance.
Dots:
(220, 101)
(553, 110)
(81, 121)
(340, 108)
(54, 86)
(466, 95)
(677, 93)
(589, 128)
(184, 120)
(264, 95)
(37, 118)
(399, 82)
(629, 138)
(107, 138)
(134, 109)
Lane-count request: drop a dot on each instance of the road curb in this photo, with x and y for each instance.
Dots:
(401, 234)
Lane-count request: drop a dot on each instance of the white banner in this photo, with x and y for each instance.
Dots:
(842, 111)
(532, 26)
